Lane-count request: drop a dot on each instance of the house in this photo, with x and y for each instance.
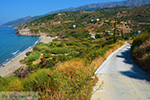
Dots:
(107, 31)
(106, 21)
(74, 26)
(95, 20)
(59, 14)
(93, 36)
(136, 34)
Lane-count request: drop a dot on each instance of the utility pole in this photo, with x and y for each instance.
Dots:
(122, 34)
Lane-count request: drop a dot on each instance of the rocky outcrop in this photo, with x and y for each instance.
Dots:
(25, 32)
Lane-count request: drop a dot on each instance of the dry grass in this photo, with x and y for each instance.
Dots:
(77, 79)
(74, 64)
(98, 61)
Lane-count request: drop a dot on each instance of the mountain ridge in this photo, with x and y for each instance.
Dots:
(89, 7)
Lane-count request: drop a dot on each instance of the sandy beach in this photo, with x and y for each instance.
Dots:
(14, 63)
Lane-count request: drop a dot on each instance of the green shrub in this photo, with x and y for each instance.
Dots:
(97, 36)
(41, 47)
(28, 53)
(104, 43)
(140, 50)
(71, 44)
(61, 45)
(10, 84)
(62, 57)
(59, 50)
(148, 61)
(34, 55)
(140, 39)
(40, 81)
(74, 54)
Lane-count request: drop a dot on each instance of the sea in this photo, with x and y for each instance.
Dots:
(11, 44)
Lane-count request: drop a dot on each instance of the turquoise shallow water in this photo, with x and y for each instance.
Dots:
(11, 44)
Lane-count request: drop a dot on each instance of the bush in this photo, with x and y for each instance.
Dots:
(10, 84)
(140, 39)
(147, 61)
(28, 53)
(59, 50)
(74, 54)
(34, 55)
(41, 80)
(41, 47)
(140, 50)
(61, 45)
(104, 43)
(62, 57)
(92, 55)
(97, 36)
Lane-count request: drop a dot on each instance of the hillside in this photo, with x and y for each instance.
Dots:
(90, 7)
(64, 68)
(141, 51)
(20, 21)
(61, 24)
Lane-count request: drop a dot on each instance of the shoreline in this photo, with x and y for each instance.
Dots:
(9, 67)
(19, 53)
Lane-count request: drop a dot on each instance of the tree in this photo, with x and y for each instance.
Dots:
(97, 36)
(122, 36)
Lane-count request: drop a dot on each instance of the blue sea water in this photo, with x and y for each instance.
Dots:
(11, 44)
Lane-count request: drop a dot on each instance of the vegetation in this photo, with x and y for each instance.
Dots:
(31, 56)
(141, 51)
(97, 36)
(64, 72)
(64, 68)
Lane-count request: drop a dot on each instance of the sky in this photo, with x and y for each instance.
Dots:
(14, 9)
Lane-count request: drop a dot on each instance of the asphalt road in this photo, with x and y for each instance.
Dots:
(123, 79)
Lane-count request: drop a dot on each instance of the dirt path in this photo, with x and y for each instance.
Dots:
(123, 80)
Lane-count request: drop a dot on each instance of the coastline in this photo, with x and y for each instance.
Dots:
(13, 63)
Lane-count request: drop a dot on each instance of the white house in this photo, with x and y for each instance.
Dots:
(93, 36)
(138, 32)
(59, 14)
(74, 26)
(106, 21)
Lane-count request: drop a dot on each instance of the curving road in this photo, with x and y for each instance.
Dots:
(123, 80)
